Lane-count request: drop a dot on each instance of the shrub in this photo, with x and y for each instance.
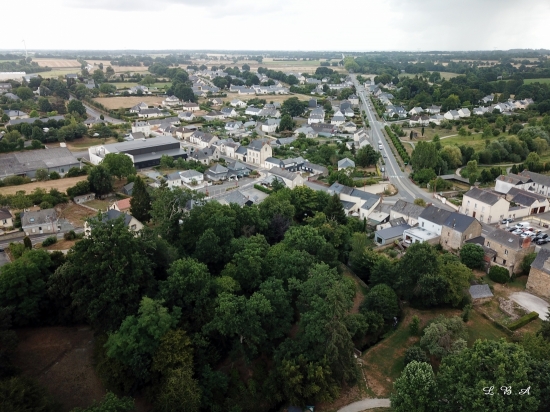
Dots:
(71, 235)
(17, 249)
(466, 312)
(415, 353)
(524, 320)
(398, 145)
(499, 274)
(54, 175)
(49, 241)
(414, 326)
(382, 299)
(262, 189)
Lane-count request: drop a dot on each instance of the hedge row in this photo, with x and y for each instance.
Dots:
(398, 145)
(262, 189)
(524, 320)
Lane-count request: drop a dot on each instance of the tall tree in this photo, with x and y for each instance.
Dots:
(367, 156)
(286, 123)
(335, 211)
(424, 156)
(119, 165)
(415, 389)
(76, 106)
(140, 204)
(101, 181)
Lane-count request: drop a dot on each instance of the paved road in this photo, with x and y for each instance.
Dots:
(407, 190)
(366, 404)
(34, 238)
(531, 303)
(90, 111)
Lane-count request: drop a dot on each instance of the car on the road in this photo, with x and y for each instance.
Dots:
(541, 241)
(385, 156)
(1, 250)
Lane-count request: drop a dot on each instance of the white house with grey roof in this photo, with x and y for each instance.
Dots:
(389, 235)
(345, 163)
(484, 205)
(41, 221)
(408, 211)
(432, 219)
(188, 176)
(364, 203)
(290, 179)
(531, 202)
(452, 115)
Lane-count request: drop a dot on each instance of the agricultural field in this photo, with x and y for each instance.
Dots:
(128, 85)
(79, 145)
(113, 103)
(59, 72)
(475, 140)
(530, 81)
(60, 184)
(444, 75)
(279, 98)
(57, 63)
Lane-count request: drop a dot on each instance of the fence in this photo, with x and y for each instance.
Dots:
(445, 202)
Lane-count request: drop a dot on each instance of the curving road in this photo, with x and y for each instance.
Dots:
(366, 404)
(407, 189)
(94, 113)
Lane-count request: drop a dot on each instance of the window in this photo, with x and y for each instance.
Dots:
(505, 251)
(503, 262)
(475, 205)
(422, 224)
(488, 244)
(483, 208)
(468, 202)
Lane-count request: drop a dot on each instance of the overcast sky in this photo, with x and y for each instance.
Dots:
(352, 25)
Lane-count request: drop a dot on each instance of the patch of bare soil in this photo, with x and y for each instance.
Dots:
(347, 396)
(60, 359)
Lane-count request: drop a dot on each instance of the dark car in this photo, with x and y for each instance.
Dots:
(541, 241)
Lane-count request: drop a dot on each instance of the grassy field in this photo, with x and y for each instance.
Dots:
(59, 184)
(59, 72)
(98, 204)
(385, 360)
(279, 98)
(444, 75)
(127, 85)
(127, 102)
(86, 142)
(529, 81)
(57, 63)
(475, 141)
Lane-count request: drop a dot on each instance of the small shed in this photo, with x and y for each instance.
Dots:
(387, 236)
(84, 198)
(480, 293)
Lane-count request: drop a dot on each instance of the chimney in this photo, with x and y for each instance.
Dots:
(526, 242)
(454, 223)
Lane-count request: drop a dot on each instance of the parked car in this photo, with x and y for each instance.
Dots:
(541, 241)
(511, 229)
(517, 232)
(527, 233)
(507, 220)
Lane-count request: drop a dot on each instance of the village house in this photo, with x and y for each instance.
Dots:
(432, 219)
(214, 115)
(418, 234)
(270, 125)
(452, 115)
(345, 163)
(484, 205)
(538, 281)
(238, 103)
(191, 177)
(314, 169)
(457, 229)
(216, 173)
(121, 205)
(229, 112)
(216, 101)
(142, 127)
(203, 140)
(139, 107)
(83, 198)
(257, 151)
(416, 111)
(433, 109)
(6, 218)
(390, 235)
(191, 107)
(186, 116)
(408, 211)
(356, 202)
(149, 113)
(290, 179)
(130, 222)
(205, 155)
(41, 221)
(171, 101)
(527, 203)
(464, 112)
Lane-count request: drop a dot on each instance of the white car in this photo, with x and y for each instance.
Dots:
(527, 233)
(517, 232)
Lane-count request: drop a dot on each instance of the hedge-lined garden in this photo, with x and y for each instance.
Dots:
(398, 145)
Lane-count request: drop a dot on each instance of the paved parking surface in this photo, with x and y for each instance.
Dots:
(531, 303)
(3, 259)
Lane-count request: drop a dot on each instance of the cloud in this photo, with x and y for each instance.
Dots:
(137, 5)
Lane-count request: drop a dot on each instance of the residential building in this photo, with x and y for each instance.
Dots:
(237, 169)
(432, 219)
(272, 162)
(416, 111)
(457, 229)
(191, 107)
(359, 203)
(257, 151)
(538, 281)
(308, 131)
(16, 114)
(128, 189)
(217, 101)
(480, 294)
(389, 235)
(6, 218)
(539, 183)
(188, 176)
(419, 235)
(235, 197)
(186, 116)
(142, 127)
(216, 172)
(135, 89)
(130, 222)
(252, 111)
(433, 109)
(171, 101)
(417, 120)
(317, 115)
(349, 127)
(504, 183)
(345, 163)
(488, 99)
(452, 115)
(139, 107)
(464, 112)
(214, 115)
(41, 221)
(233, 126)
(122, 205)
(509, 250)
(203, 140)
(229, 112)
(324, 129)
(238, 103)
(144, 153)
(315, 169)
(437, 119)
(149, 113)
(533, 202)
(353, 99)
(408, 211)
(205, 155)
(270, 125)
(290, 179)
(484, 205)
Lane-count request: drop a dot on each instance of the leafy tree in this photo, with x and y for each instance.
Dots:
(444, 336)
(107, 88)
(100, 181)
(286, 123)
(293, 106)
(138, 337)
(119, 165)
(23, 286)
(41, 175)
(22, 394)
(420, 202)
(421, 259)
(110, 403)
(24, 93)
(184, 93)
(335, 211)
(174, 388)
(424, 156)
(452, 155)
(472, 170)
(168, 209)
(457, 277)
(472, 255)
(462, 378)
(367, 156)
(76, 106)
(415, 353)
(140, 204)
(414, 326)
(527, 261)
(499, 274)
(415, 389)
(27, 242)
(382, 299)
(105, 276)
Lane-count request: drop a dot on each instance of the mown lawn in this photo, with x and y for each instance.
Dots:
(530, 81)
(482, 328)
(475, 140)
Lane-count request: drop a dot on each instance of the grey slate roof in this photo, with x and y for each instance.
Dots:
(190, 174)
(235, 196)
(406, 208)
(5, 213)
(513, 178)
(277, 171)
(347, 205)
(536, 177)
(503, 237)
(112, 214)
(514, 191)
(173, 176)
(542, 257)
(397, 222)
(37, 217)
(257, 144)
(483, 196)
(480, 291)
(392, 232)
(345, 162)
(459, 222)
(435, 215)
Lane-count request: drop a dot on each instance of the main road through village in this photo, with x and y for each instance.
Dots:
(407, 190)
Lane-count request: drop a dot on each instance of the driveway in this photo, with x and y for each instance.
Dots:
(366, 404)
(531, 303)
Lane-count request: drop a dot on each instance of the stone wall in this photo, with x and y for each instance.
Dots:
(539, 283)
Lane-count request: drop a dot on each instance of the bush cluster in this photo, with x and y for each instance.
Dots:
(398, 145)
(524, 320)
(499, 274)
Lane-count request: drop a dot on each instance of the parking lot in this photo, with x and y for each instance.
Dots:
(535, 228)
